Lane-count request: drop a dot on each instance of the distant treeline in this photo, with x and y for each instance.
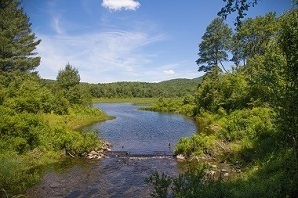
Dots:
(167, 89)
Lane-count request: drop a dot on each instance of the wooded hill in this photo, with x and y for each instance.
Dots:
(167, 89)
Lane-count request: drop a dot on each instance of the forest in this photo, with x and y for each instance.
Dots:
(247, 114)
(167, 89)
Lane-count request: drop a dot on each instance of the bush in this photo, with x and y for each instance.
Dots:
(254, 123)
(197, 144)
(20, 130)
(191, 184)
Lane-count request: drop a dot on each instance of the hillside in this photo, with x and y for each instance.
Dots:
(169, 88)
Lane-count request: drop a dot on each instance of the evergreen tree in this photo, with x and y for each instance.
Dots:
(215, 42)
(17, 42)
(68, 77)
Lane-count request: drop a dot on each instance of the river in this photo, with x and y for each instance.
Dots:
(147, 137)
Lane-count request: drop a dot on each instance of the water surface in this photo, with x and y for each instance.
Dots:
(133, 130)
(142, 132)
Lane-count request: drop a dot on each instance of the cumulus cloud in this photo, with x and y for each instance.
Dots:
(116, 5)
(169, 72)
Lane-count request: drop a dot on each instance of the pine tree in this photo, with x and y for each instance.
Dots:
(215, 42)
(17, 42)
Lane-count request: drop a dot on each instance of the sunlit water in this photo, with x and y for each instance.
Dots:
(133, 131)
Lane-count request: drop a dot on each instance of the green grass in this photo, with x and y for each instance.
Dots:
(77, 118)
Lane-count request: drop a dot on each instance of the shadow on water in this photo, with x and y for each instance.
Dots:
(142, 144)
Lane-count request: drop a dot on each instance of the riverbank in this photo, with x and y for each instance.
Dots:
(77, 118)
(56, 139)
(140, 146)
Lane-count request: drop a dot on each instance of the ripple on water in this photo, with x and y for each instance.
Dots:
(112, 177)
(134, 131)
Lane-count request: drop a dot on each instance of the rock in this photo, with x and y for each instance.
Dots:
(226, 175)
(106, 146)
(224, 170)
(180, 157)
(91, 156)
(93, 153)
(84, 154)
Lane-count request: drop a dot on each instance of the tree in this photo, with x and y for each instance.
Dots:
(241, 6)
(68, 77)
(289, 103)
(215, 42)
(17, 42)
(253, 37)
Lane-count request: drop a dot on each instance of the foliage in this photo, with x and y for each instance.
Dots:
(239, 6)
(192, 183)
(185, 106)
(196, 145)
(13, 178)
(141, 101)
(253, 36)
(248, 116)
(166, 89)
(17, 42)
(161, 184)
(68, 77)
(248, 123)
(227, 91)
(28, 135)
(68, 81)
(215, 42)
(289, 104)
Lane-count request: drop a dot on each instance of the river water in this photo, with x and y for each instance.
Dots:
(147, 137)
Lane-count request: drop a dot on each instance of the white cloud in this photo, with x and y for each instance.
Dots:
(116, 5)
(169, 72)
(99, 57)
(57, 25)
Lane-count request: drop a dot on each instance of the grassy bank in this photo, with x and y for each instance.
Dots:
(53, 139)
(77, 118)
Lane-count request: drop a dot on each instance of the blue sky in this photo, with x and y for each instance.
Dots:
(126, 40)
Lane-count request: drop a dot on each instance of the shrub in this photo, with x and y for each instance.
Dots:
(250, 123)
(197, 144)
